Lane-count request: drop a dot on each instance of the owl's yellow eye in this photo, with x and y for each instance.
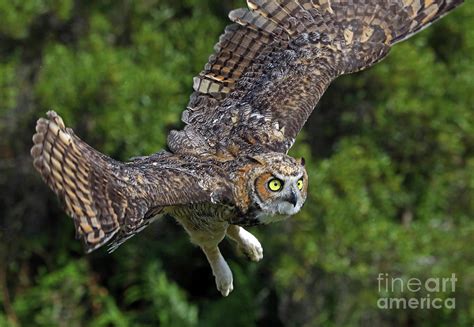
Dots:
(299, 184)
(275, 185)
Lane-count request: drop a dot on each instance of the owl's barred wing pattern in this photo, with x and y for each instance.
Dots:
(272, 66)
(107, 198)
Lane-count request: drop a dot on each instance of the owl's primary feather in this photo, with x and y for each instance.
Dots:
(228, 167)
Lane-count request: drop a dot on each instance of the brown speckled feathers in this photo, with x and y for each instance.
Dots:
(106, 197)
(271, 67)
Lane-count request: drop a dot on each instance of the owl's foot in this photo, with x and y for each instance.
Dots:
(220, 270)
(246, 242)
(251, 247)
(224, 280)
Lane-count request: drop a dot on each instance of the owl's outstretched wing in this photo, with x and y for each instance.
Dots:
(271, 67)
(107, 198)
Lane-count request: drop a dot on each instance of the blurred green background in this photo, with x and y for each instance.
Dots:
(390, 154)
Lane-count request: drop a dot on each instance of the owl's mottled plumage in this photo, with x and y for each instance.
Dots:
(228, 166)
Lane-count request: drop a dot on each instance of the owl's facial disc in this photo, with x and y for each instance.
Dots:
(280, 186)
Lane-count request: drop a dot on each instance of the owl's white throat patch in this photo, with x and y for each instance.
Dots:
(277, 212)
(288, 208)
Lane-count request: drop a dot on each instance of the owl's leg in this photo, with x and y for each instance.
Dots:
(246, 242)
(220, 269)
(207, 237)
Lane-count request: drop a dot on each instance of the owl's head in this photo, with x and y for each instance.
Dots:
(277, 186)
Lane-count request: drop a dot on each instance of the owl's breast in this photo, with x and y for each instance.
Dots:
(257, 216)
(203, 216)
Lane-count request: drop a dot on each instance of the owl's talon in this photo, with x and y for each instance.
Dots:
(224, 280)
(246, 242)
(251, 247)
(225, 288)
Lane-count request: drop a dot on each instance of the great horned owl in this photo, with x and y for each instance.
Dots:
(228, 167)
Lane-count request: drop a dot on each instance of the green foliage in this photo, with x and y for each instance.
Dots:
(243, 302)
(18, 16)
(389, 152)
(56, 297)
(168, 300)
(8, 91)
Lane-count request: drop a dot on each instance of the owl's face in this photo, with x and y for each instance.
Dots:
(278, 186)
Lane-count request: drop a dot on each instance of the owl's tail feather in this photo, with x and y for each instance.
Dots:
(70, 168)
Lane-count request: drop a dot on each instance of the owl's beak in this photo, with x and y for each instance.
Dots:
(292, 198)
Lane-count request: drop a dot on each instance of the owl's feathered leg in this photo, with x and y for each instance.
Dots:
(208, 240)
(246, 242)
(220, 269)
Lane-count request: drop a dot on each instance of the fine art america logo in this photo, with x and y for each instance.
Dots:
(415, 293)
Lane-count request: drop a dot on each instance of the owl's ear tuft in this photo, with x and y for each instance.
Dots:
(302, 161)
(256, 159)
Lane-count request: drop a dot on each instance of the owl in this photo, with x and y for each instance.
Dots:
(228, 167)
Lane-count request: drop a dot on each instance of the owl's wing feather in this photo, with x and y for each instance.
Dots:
(272, 66)
(107, 198)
